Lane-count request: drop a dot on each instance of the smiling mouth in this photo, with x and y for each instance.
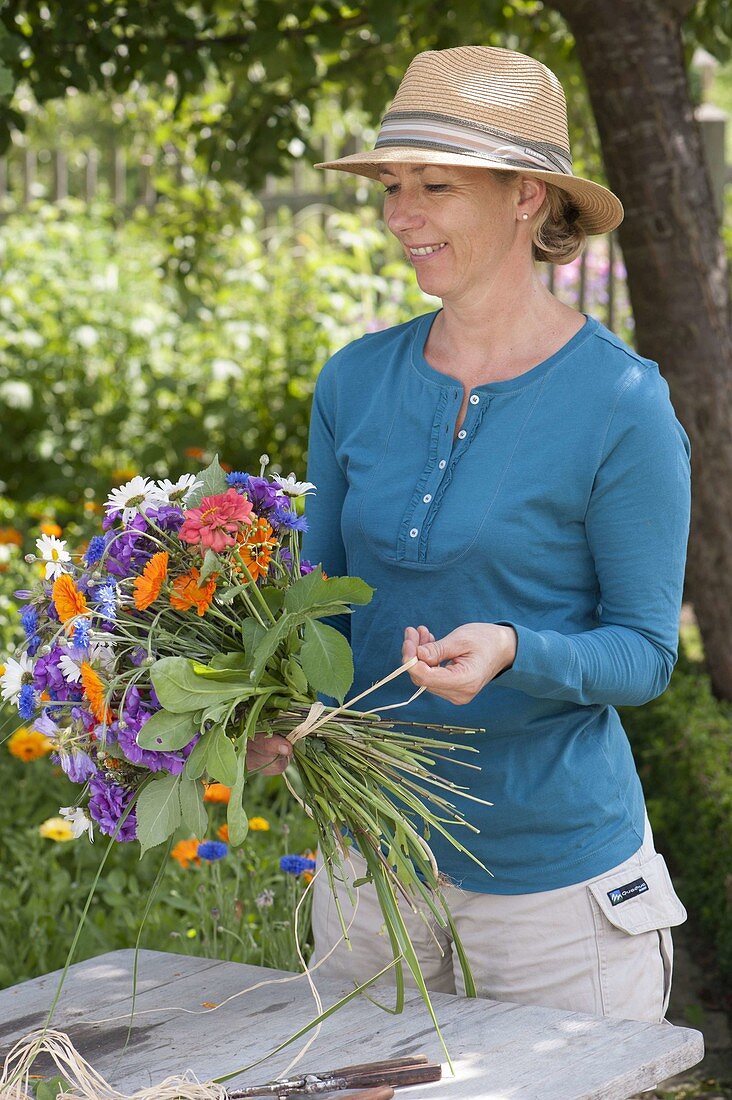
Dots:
(427, 249)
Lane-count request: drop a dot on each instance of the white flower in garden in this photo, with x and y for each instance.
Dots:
(54, 553)
(176, 492)
(11, 680)
(70, 670)
(293, 488)
(78, 820)
(133, 497)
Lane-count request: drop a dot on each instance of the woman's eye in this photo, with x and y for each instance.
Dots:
(436, 186)
(391, 189)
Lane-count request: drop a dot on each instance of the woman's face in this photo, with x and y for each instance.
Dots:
(463, 217)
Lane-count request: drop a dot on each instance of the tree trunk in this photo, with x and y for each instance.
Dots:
(633, 62)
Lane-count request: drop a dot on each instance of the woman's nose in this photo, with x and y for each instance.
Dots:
(403, 212)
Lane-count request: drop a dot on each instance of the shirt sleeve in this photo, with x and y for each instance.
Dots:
(323, 541)
(637, 524)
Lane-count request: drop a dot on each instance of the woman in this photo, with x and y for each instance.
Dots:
(511, 479)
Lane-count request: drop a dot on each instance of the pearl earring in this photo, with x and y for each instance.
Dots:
(525, 216)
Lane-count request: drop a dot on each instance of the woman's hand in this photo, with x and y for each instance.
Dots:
(268, 755)
(475, 653)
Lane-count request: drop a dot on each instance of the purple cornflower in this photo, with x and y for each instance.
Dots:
(263, 494)
(129, 549)
(95, 549)
(27, 702)
(167, 516)
(295, 865)
(211, 850)
(107, 804)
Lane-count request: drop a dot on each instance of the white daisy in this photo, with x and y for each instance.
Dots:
(54, 553)
(102, 653)
(177, 492)
(11, 680)
(78, 820)
(133, 497)
(293, 488)
(70, 669)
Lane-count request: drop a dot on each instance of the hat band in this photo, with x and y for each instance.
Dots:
(426, 132)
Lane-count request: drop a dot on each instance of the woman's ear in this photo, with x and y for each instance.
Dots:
(531, 193)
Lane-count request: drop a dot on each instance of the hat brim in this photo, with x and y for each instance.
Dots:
(600, 210)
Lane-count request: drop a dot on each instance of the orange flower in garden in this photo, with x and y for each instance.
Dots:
(307, 876)
(259, 824)
(187, 592)
(195, 452)
(94, 691)
(29, 744)
(223, 833)
(217, 792)
(186, 852)
(10, 537)
(67, 600)
(256, 548)
(48, 527)
(148, 585)
(124, 473)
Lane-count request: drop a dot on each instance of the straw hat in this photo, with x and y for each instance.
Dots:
(484, 107)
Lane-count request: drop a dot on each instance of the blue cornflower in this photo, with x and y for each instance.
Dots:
(95, 549)
(212, 850)
(106, 595)
(29, 619)
(283, 517)
(294, 865)
(27, 702)
(237, 480)
(81, 634)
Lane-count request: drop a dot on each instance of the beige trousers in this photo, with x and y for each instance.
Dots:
(601, 947)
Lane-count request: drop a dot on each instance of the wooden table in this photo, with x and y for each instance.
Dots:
(500, 1051)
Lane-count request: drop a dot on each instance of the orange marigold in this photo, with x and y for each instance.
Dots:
(29, 744)
(217, 792)
(223, 833)
(257, 545)
(67, 600)
(187, 592)
(307, 876)
(48, 527)
(186, 852)
(147, 586)
(94, 691)
(9, 536)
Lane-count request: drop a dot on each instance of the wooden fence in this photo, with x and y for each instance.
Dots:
(595, 283)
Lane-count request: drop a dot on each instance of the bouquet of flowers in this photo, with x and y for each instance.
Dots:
(186, 626)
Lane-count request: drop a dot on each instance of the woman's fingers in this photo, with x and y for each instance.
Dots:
(268, 755)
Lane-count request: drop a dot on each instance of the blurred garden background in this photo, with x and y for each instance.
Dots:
(173, 275)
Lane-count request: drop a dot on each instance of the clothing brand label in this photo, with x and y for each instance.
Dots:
(624, 893)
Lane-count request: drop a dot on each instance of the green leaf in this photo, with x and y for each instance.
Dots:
(302, 594)
(214, 482)
(327, 660)
(236, 816)
(252, 633)
(158, 811)
(211, 564)
(274, 598)
(196, 762)
(193, 810)
(166, 732)
(314, 591)
(221, 761)
(180, 690)
(269, 643)
(234, 659)
(49, 1089)
(346, 589)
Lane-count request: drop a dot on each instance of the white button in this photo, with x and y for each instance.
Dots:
(442, 463)
(414, 532)
(462, 433)
(427, 498)
(474, 399)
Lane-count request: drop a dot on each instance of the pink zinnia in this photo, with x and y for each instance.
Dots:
(215, 523)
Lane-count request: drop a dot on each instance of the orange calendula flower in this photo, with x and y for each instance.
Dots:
(29, 744)
(68, 601)
(223, 833)
(257, 545)
(48, 527)
(307, 876)
(186, 852)
(9, 536)
(217, 792)
(147, 586)
(187, 592)
(94, 691)
(195, 452)
(259, 824)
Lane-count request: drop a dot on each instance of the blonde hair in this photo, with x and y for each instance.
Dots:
(556, 233)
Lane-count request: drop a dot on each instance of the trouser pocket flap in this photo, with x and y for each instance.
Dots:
(638, 900)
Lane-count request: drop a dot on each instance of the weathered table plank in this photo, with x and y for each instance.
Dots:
(500, 1051)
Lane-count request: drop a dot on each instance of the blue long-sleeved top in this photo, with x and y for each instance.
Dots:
(562, 508)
